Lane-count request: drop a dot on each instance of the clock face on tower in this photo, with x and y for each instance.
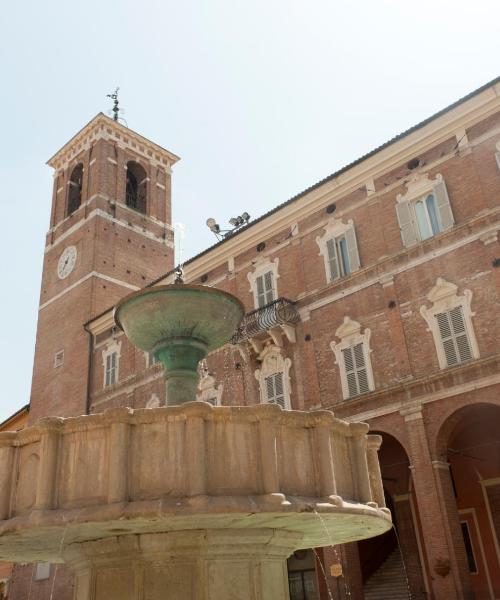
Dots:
(66, 262)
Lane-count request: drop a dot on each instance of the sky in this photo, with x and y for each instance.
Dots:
(260, 100)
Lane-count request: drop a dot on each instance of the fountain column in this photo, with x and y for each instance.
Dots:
(185, 565)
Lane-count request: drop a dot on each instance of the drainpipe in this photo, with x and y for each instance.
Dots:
(89, 369)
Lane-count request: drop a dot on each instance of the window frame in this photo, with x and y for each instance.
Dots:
(419, 188)
(444, 298)
(111, 348)
(260, 270)
(272, 363)
(335, 231)
(350, 336)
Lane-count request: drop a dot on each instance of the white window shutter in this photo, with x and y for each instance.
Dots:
(275, 393)
(333, 259)
(406, 225)
(269, 287)
(352, 249)
(443, 206)
(261, 295)
(362, 375)
(350, 372)
(462, 341)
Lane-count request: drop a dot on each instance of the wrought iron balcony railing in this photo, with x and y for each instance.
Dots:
(279, 312)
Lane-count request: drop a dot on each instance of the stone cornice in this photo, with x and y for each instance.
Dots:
(102, 127)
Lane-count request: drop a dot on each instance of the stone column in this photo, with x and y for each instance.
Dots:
(225, 564)
(438, 516)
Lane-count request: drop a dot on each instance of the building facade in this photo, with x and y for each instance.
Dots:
(374, 293)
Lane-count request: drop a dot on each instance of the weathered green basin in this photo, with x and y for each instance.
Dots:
(180, 324)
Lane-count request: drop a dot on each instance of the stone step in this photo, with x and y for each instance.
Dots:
(388, 582)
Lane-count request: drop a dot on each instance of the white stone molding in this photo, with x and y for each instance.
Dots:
(208, 391)
(419, 186)
(497, 155)
(444, 297)
(349, 334)
(262, 266)
(335, 228)
(112, 346)
(274, 362)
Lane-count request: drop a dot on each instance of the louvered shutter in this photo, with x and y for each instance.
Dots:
(443, 206)
(269, 287)
(352, 249)
(350, 372)
(445, 332)
(361, 373)
(406, 225)
(261, 296)
(275, 393)
(460, 332)
(333, 259)
(454, 336)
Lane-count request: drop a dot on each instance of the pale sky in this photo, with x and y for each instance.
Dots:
(260, 99)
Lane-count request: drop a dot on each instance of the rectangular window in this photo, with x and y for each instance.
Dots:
(275, 393)
(265, 289)
(58, 359)
(355, 370)
(471, 559)
(338, 257)
(453, 332)
(421, 218)
(111, 365)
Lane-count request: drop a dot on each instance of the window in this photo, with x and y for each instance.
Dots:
(111, 363)
(263, 282)
(111, 366)
(352, 355)
(58, 359)
(75, 189)
(471, 559)
(136, 187)
(339, 249)
(275, 393)
(265, 289)
(355, 370)
(274, 377)
(454, 336)
(302, 585)
(424, 211)
(449, 319)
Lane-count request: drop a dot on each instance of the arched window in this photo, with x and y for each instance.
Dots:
(135, 194)
(75, 189)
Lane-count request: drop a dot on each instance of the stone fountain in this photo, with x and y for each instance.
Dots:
(187, 502)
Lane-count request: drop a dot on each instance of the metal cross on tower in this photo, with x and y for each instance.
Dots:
(115, 109)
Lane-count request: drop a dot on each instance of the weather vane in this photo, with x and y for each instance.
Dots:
(115, 109)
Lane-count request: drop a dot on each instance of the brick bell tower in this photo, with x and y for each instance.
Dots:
(110, 233)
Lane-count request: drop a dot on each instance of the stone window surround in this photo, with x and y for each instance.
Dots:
(113, 346)
(350, 334)
(261, 268)
(444, 297)
(497, 154)
(418, 187)
(333, 229)
(274, 362)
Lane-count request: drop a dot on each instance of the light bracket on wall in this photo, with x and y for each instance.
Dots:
(235, 222)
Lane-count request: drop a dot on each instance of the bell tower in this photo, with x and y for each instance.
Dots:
(110, 233)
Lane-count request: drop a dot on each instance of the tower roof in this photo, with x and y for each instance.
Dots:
(102, 127)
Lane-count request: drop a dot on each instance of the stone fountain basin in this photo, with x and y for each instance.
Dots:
(193, 467)
(202, 314)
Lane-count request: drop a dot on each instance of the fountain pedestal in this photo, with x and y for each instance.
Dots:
(234, 564)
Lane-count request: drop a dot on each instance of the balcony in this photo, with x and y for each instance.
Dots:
(278, 316)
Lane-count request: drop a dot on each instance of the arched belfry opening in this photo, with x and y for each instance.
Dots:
(136, 189)
(75, 189)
